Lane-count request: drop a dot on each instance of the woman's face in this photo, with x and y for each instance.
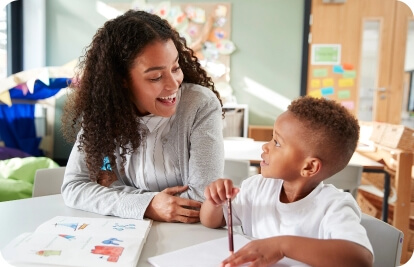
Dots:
(155, 79)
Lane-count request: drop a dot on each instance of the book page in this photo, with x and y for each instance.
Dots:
(75, 241)
(208, 254)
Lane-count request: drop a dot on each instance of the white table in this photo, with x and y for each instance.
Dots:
(25, 215)
(248, 149)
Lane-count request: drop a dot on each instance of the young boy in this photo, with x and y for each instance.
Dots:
(288, 207)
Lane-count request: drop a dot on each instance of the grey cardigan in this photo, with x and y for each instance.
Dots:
(195, 138)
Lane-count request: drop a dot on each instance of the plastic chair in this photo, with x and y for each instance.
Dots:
(236, 170)
(347, 179)
(48, 181)
(386, 240)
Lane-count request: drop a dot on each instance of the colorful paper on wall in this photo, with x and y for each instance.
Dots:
(327, 82)
(349, 74)
(327, 91)
(315, 93)
(344, 94)
(337, 69)
(346, 82)
(325, 54)
(348, 104)
(315, 83)
(320, 72)
(348, 66)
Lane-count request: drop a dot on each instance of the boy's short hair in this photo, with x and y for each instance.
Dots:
(332, 131)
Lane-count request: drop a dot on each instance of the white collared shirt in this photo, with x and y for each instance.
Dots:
(156, 170)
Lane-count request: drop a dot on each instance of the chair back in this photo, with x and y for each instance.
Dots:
(386, 241)
(347, 179)
(48, 181)
(236, 170)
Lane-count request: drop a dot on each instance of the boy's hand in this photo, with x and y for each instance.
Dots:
(220, 190)
(262, 252)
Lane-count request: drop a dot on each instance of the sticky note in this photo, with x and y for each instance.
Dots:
(349, 74)
(327, 91)
(344, 94)
(327, 82)
(315, 93)
(348, 66)
(315, 83)
(346, 82)
(348, 104)
(337, 69)
(320, 72)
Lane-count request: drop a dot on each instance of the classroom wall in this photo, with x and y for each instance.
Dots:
(265, 69)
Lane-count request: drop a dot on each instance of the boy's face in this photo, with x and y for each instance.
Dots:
(283, 156)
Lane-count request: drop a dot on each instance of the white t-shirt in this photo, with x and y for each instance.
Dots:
(326, 213)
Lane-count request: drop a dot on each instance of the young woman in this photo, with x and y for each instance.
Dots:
(150, 136)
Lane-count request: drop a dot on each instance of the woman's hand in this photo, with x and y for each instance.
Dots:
(166, 207)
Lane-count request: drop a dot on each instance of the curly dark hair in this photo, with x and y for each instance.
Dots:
(332, 131)
(99, 101)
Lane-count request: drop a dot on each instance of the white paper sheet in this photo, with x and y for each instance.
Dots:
(208, 254)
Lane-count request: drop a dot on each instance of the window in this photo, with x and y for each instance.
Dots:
(411, 90)
(3, 43)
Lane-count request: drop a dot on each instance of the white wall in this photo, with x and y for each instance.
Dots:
(34, 34)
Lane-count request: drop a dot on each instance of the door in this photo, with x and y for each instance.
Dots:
(356, 56)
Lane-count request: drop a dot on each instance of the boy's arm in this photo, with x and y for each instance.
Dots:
(314, 252)
(216, 193)
(211, 215)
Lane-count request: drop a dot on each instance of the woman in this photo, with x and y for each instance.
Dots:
(148, 111)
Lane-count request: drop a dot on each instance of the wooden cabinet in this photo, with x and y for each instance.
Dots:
(399, 163)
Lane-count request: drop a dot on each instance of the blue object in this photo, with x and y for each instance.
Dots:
(106, 165)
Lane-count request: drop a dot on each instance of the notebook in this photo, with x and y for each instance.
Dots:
(80, 241)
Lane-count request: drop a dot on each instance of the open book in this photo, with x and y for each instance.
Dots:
(80, 241)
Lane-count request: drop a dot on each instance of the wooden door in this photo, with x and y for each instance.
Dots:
(342, 26)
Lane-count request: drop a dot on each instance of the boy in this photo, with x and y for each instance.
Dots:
(287, 207)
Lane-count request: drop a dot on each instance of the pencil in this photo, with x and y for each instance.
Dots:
(230, 226)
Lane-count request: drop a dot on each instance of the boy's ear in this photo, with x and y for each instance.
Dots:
(312, 167)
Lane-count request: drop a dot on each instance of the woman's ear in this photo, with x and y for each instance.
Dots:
(311, 167)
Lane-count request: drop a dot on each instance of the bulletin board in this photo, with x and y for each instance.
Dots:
(205, 26)
(330, 78)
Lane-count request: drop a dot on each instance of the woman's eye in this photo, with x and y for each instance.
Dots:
(276, 143)
(176, 69)
(156, 79)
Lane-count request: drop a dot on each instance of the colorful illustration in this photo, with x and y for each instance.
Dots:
(111, 241)
(74, 226)
(47, 253)
(83, 226)
(113, 253)
(121, 227)
(68, 237)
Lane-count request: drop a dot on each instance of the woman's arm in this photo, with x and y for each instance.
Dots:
(205, 158)
(80, 192)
